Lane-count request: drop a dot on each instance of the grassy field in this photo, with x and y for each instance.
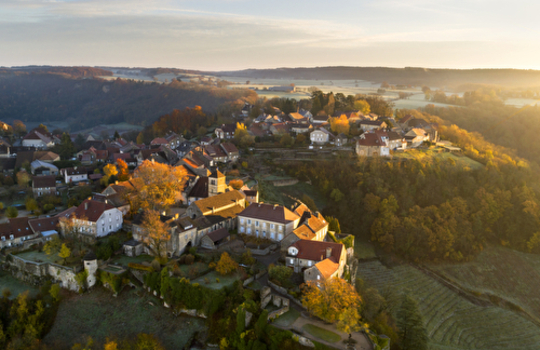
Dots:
(37, 256)
(224, 281)
(453, 322)
(99, 315)
(321, 333)
(288, 318)
(363, 249)
(421, 154)
(125, 260)
(499, 271)
(15, 286)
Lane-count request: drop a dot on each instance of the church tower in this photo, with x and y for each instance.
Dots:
(216, 183)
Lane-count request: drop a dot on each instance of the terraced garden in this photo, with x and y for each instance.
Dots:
(453, 322)
(499, 271)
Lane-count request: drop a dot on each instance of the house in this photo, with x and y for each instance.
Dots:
(214, 239)
(307, 114)
(319, 260)
(341, 140)
(311, 227)
(372, 144)
(44, 185)
(280, 128)
(246, 109)
(298, 118)
(24, 157)
(206, 140)
(320, 119)
(216, 153)
(225, 131)
(231, 151)
(416, 136)
(5, 148)
(368, 125)
(159, 141)
(283, 88)
(252, 196)
(76, 174)
(396, 141)
(38, 167)
(38, 138)
(321, 136)
(218, 210)
(15, 232)
(49, 227)
(299, 128)
(183, 235)
(266, 220)
(97, 219)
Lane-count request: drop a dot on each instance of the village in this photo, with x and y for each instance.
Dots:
(119, 208)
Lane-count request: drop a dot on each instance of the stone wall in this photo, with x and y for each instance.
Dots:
(284, 291)
(33, 272)
(265, 251)
(249, 280)
(303, 340)
(272, 315)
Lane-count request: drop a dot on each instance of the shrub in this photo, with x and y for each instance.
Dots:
(182, 259)
(280, 274)
(247, 258)
(190, 259)
(193, 272)
(226, 264)
(217, 280)
(193, 250)
(140, 267)
(156, 266)
(55, 292)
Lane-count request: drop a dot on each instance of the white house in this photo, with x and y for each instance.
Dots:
(38, 139)
(320, 136)
(267, 220)
(75, 174)
(97, 219)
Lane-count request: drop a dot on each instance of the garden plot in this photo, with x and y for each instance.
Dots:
(210, 280)
(453, 322)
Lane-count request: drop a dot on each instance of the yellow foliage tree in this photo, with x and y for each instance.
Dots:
(160, 187)
(334, 301)
(65, 252)
(362, 106)
(110, 345)
(226, 264)
(157, 233)
(340, 124)
(241, 126)
(236, 184)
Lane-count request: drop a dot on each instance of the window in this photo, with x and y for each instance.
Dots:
(257, 223)
(318, 277)
(310, 263)
(280, 228)
(242, 229)
(292, 261)
(249, 222)
(241, 220)
(272, 226)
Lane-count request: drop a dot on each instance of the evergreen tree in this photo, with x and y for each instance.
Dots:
(116, 135)
(411, 326)
(67, 149)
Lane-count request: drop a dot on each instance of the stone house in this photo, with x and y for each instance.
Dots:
(38, 138)
(371, 145)
(15, 232)
(416, 136)
(252, 196)
(219, 210)
(321, 136)
(97, 219)
(304, 255)
(341, 140)
(43, 185)
(368, 125)
(312, 227)
(232, 152)
(225, 131)
(214, 239)
(216, 153)
(266, 220)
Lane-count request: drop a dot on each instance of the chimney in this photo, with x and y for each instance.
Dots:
(275, 206)
(85, 205)
(213, 210)
(328, 252)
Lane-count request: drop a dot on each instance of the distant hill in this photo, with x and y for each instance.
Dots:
(406, 76)
(74, 72)
(53, 94)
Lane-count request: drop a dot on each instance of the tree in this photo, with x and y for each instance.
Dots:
(156, 233)
(226, 264)
(335, 301)
(18, 127)
(300, 139)
(411, 326)
(236, 184)
(242, 138)
(52, 247)
(23, 178)
(116, 135)
(333, 224)
(279, 273)
(67, 148)
(340, 124)
(123, 170)
(286, 140)
(12, 212)
(140, 139)
(109, 170)
(31, 204)
(65, 252)
(309, 202)
(362, 106)
(79, 141)
(201, 131)
(160, 185)
(55, 292)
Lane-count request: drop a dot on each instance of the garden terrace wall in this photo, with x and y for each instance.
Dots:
(34, 272)
(284, 292)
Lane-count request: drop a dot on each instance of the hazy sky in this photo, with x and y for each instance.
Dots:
(237, 34)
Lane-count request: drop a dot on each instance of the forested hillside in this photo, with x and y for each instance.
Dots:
(407, 76)
(42, 97)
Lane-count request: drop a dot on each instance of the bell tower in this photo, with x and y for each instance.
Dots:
(216, 183)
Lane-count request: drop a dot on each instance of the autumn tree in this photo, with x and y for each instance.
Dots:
(19, 127)
(123, 170)
(160, 185)
(340, 124)
(23, 178)
(109, 170)
(334, 301)
(226, 264)
(65, 252)
(242, 138)
(362, 106)
(12, 212)
(236, 184)
(156, 233)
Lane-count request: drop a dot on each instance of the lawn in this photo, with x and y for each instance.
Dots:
(288, 318)
(301, 188)
(321, 333)
(99, 315)
(224, 281)
(424, 155)
(453, 322)
(255, 285)
(196, 268)
(15, 286)
(40, 257)
(363, 249)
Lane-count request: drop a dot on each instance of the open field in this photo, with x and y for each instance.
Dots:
(15, 286)
(453, 322)
(99, 315)
(499, 271)
(363, 249)
(521, 102)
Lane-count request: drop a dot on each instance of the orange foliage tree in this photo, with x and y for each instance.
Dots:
(157, 233)
(340, 124)
(226, 264)
(334, 301)
(236, 184)
(161, 185)
(123, 171)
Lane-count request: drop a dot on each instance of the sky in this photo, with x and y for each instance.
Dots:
(241, 34)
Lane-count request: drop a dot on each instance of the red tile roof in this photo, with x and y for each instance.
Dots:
(43, 181)
(229, 147)
(316, 251)
(327, 268)
(91, 209)
(218, 234)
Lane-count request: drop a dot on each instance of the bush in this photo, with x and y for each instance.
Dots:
(189, 259)
(193, 250)
(156, 266)
(247, 258)
(140, 267)
(280, 274)
(182, 259)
